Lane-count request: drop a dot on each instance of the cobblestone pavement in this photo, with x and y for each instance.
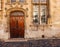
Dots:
(33, 43)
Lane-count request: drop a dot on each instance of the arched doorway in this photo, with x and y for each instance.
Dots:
(17, 24)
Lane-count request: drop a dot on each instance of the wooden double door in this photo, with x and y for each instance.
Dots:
(17, 25)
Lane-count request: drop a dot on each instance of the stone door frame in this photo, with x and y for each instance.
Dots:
(8, 18)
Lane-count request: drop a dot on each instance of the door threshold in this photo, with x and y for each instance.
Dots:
(16, 40)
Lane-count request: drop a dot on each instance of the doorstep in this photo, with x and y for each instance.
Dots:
(16, 40)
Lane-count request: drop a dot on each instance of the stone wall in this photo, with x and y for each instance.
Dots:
(48, 31)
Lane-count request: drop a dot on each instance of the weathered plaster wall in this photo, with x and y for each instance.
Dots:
(55, 18)
(5, 19)
(49, 31)
(53, 28)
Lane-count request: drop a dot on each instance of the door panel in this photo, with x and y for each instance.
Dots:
(17, 26)
(21, 25)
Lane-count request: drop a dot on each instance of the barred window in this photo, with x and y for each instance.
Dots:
(36, 1)
(39, 1)
(13, 0)
(35, 13)
(22, 1)
(43, 1)
(41, 10)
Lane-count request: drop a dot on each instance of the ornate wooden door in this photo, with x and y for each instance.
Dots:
(17, 25)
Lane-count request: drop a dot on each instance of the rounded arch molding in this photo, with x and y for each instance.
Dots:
(15, 9)
(8, 12)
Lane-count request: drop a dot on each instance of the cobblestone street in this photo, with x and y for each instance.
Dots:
(33, 43)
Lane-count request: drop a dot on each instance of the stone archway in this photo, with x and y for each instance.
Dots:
(10, 14)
